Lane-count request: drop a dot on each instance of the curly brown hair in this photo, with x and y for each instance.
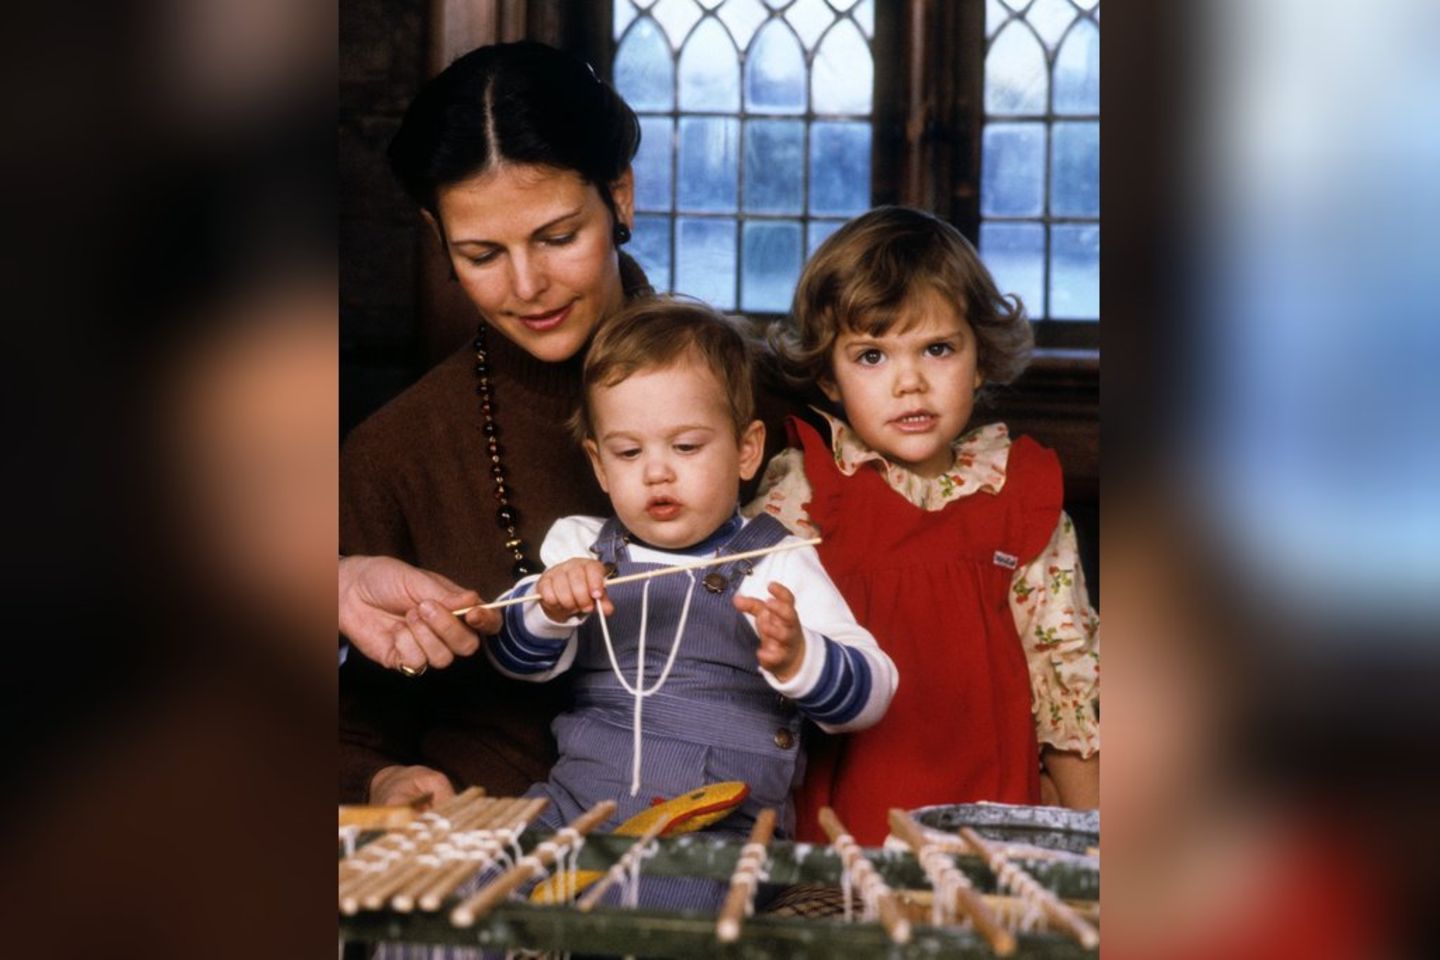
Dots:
(864, 275)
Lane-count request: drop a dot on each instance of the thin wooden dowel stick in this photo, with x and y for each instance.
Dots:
(402, 898)
(448, 880)
(745, 878)
(612, 876)
(386, 817)
(419, 837)
(1089, 910)
(515, 819)
(416, 866)
(664, 571)
(531, 866)
(896, 924)
(1014, 878)
(943, 874)
(423, 862)
(354, 870)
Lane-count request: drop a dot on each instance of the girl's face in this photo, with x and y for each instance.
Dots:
(533, 249)
(908, 394)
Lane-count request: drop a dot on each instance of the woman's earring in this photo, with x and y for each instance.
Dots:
(622, 234)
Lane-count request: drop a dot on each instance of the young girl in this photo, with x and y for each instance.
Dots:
(949, 543)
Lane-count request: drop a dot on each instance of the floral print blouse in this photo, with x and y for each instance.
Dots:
(1053, 616)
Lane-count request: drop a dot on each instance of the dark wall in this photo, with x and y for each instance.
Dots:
(382, 63)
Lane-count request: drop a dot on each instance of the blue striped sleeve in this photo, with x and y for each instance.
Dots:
(843, 689)
(519, 651)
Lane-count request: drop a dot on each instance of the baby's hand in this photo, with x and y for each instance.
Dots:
(571, 588)
(484, 620)
(782, 643)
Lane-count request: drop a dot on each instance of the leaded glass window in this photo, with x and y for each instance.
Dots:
(756, 118)
(1040, 154)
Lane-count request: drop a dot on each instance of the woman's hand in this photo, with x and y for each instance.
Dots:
(572, 588)
(396, 785)
(399, 615)
(782, 642)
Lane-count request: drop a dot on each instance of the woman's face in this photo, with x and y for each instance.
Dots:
(533, 249)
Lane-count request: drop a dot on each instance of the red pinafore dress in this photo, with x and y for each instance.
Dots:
(934, 588)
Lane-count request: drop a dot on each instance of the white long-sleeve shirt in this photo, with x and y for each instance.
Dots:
(845, 681)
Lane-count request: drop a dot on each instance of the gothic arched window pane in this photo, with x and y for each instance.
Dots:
(742, 17)
(624, 13)
(995, 14)
(753, 149)
(1015, 73)
(1077, 71)
(677, 17)
(844, 75)
(1050, 18)
(810, 18)
(644, 72)
(709, 70)
(775, 72)
(1040, 155)
(865, 16)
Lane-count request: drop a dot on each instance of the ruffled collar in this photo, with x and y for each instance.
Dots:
(980, 459)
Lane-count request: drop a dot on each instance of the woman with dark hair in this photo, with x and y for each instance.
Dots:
(519, 158)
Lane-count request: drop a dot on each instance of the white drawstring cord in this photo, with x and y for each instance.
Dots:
(638, 691)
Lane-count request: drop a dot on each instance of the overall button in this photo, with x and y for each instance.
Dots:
(784, 739)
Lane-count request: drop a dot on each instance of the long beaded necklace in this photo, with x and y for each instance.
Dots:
(505, 514)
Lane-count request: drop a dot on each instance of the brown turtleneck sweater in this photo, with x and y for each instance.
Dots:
(415, 484)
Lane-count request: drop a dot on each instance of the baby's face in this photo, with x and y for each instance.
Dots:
(665, 450)
(908, 394)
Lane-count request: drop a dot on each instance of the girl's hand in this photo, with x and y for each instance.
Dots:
(782, 643)
(572, 588)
